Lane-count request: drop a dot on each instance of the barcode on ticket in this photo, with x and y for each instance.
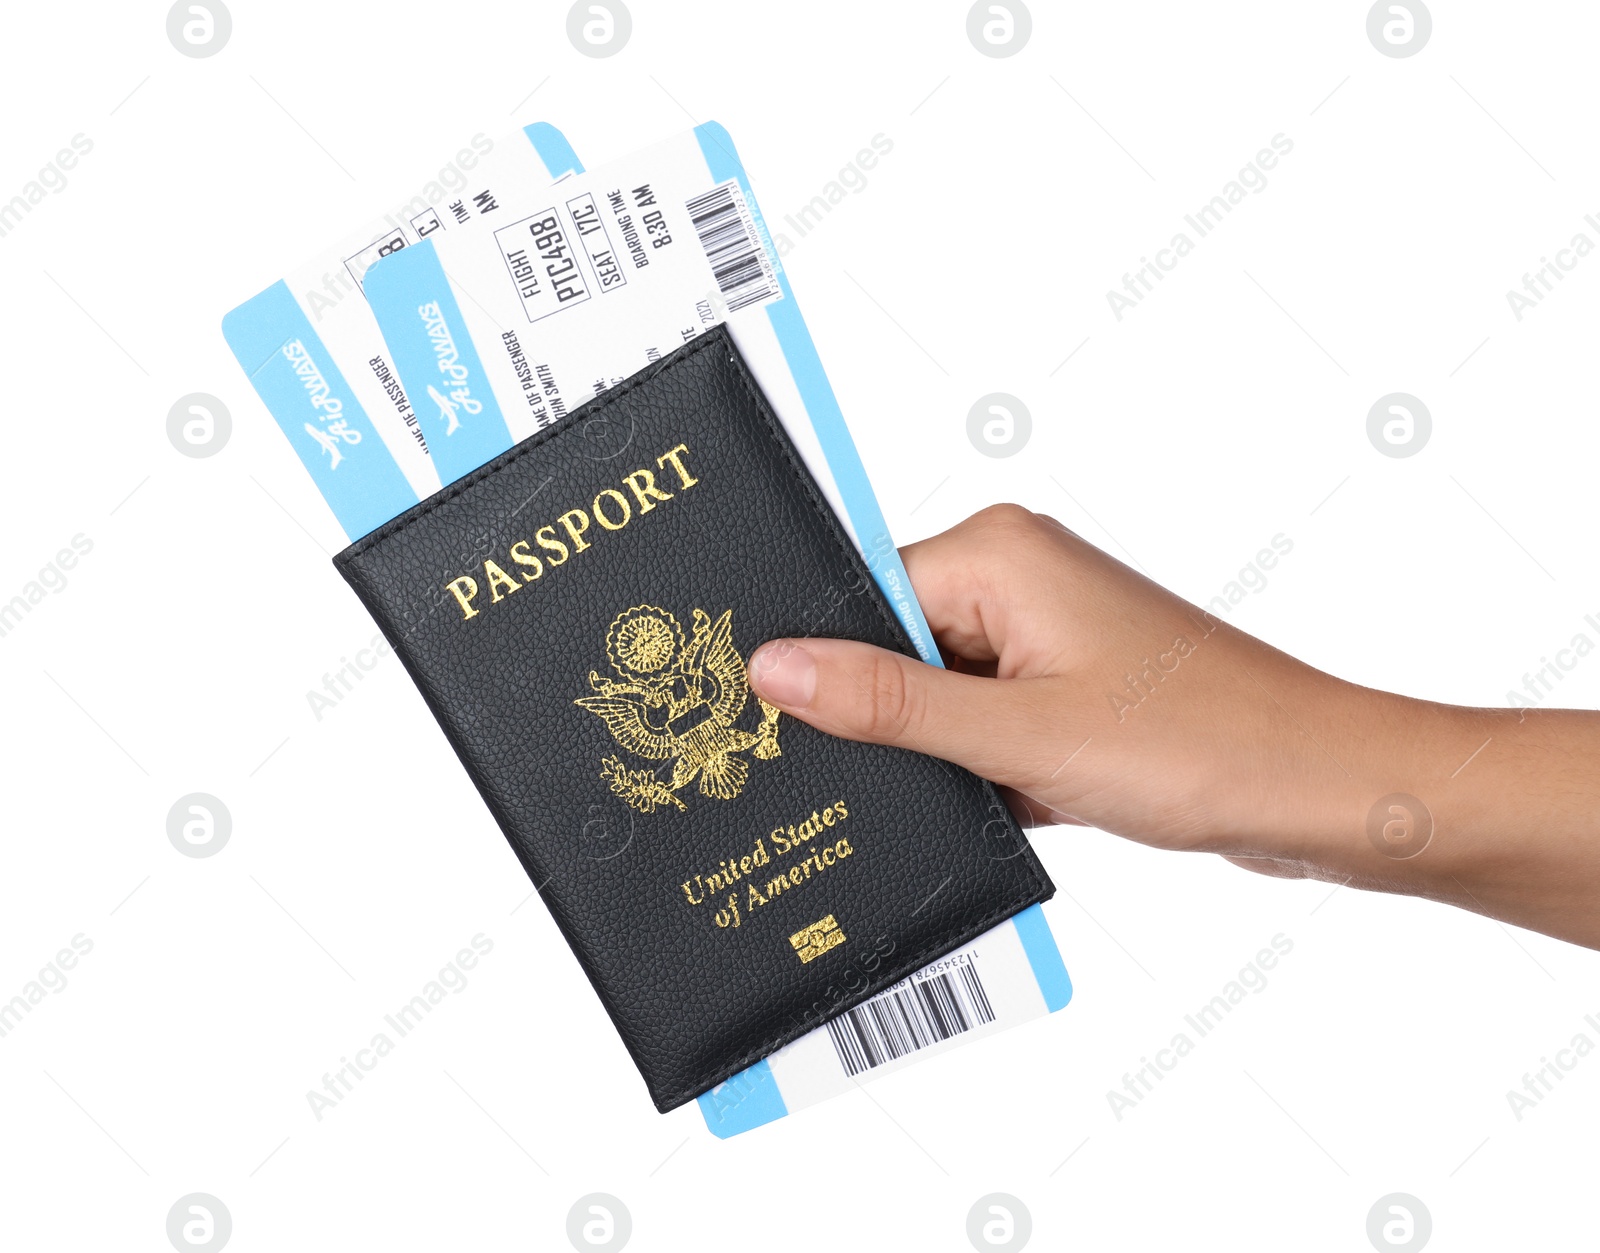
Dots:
(727, 233)
(911, 1015)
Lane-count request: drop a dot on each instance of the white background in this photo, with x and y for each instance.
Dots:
(1228, 408)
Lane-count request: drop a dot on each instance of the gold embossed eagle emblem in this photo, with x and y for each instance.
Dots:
(677, 701)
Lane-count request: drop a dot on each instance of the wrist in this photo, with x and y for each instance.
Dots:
(1399, 821)
(1492, 810)
(1356, 785)
(1478, 808)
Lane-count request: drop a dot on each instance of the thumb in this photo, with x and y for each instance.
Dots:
(865, 693)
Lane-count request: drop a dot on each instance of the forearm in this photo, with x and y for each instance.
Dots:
(1496, 811)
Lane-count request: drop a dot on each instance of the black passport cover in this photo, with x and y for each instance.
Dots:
(577, 614)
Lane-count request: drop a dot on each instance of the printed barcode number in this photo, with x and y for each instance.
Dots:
(728, 235)
(910, 1016)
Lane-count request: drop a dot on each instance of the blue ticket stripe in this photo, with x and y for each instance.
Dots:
(294, 374)
(747, 1100)
(439, 367)
(553, 149)
(1039, 943)
(860, 502)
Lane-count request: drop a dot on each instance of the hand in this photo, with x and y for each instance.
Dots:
(1093, 696)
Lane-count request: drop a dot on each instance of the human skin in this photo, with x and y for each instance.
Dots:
(1223, 744)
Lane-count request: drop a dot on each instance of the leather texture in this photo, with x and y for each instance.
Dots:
(625, 807)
